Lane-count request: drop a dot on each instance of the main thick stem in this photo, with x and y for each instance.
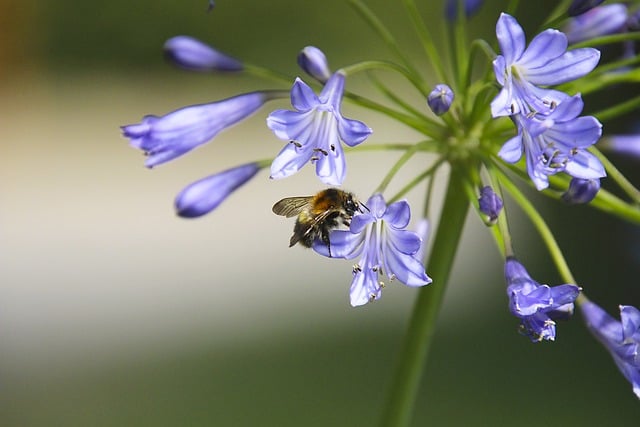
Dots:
(413, 355)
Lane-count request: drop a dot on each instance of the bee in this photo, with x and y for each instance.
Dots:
(318, 214)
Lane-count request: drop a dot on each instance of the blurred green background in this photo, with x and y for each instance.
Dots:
(115, 312)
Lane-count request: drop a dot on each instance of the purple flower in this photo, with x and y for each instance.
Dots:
(545, 62)
(490, 203)
(384, 246)
(164, 138)
(581, 191)
(597, 22)
(621, 338)
(579, 7)
(440, 99)
(628, 145)
(536, 305)
(470, 8)
(556, 143)
(203, 196)
(314, 132)
(192, 54)
(314, 62)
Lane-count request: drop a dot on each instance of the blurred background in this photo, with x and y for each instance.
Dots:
(113, 311)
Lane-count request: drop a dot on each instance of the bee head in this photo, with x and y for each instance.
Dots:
(352, 205)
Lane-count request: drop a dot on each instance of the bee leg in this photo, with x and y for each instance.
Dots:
(325, 239)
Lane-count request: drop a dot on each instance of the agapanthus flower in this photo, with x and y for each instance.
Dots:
(385, 247)
(314, 62)
(581, 191)
(490, 203)
(520, 71)
(314, 131)
(206, 194)
(470, 8)
(579, 7)
(192, 54)
(440, 99)
(621, 338)
(597, 22)
(537, 306)
(556, 143)
(164, 138)
(628, 145)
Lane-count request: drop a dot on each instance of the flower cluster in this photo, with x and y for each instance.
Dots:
(479, 130)
(550, 132)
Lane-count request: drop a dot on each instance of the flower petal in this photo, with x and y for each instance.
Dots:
(344, 244)
(398, 214)
(289, 161)
(511, 151)
(302, 97)
(545, 47)
(510, 38)
(570, 66)
(585, 165)
(352, 132)
(364, 288)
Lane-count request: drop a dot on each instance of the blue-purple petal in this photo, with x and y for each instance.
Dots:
(511, 151)
(302, 97)
(511, 38)
(344, 244)
(352, 132)
(406, 268)
(404, 241)
(333, 90)
(289, 161)
(545, 47)
(570, 66)
(398, 214)
(364, 288)
(586, 166)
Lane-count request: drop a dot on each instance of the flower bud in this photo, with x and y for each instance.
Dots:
(440, 99)
(581, 191)
(192, 54)
(314, 62)
(578, 7)
(490, 204)
(598, 22)
(470, 8)
(203, 196)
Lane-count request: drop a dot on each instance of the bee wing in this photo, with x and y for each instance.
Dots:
(291, 206)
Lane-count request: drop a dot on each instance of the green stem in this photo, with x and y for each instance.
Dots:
(413, 355)
(600, 41)
(386, 65)
(618, 110)
(397, 166)
(425, 38)
(415, 181)
(377, 25)
(617, 176)
(540, 224)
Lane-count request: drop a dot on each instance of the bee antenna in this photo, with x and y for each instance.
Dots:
(364, 206)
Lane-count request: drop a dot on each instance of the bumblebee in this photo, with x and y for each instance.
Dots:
(318, 214)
